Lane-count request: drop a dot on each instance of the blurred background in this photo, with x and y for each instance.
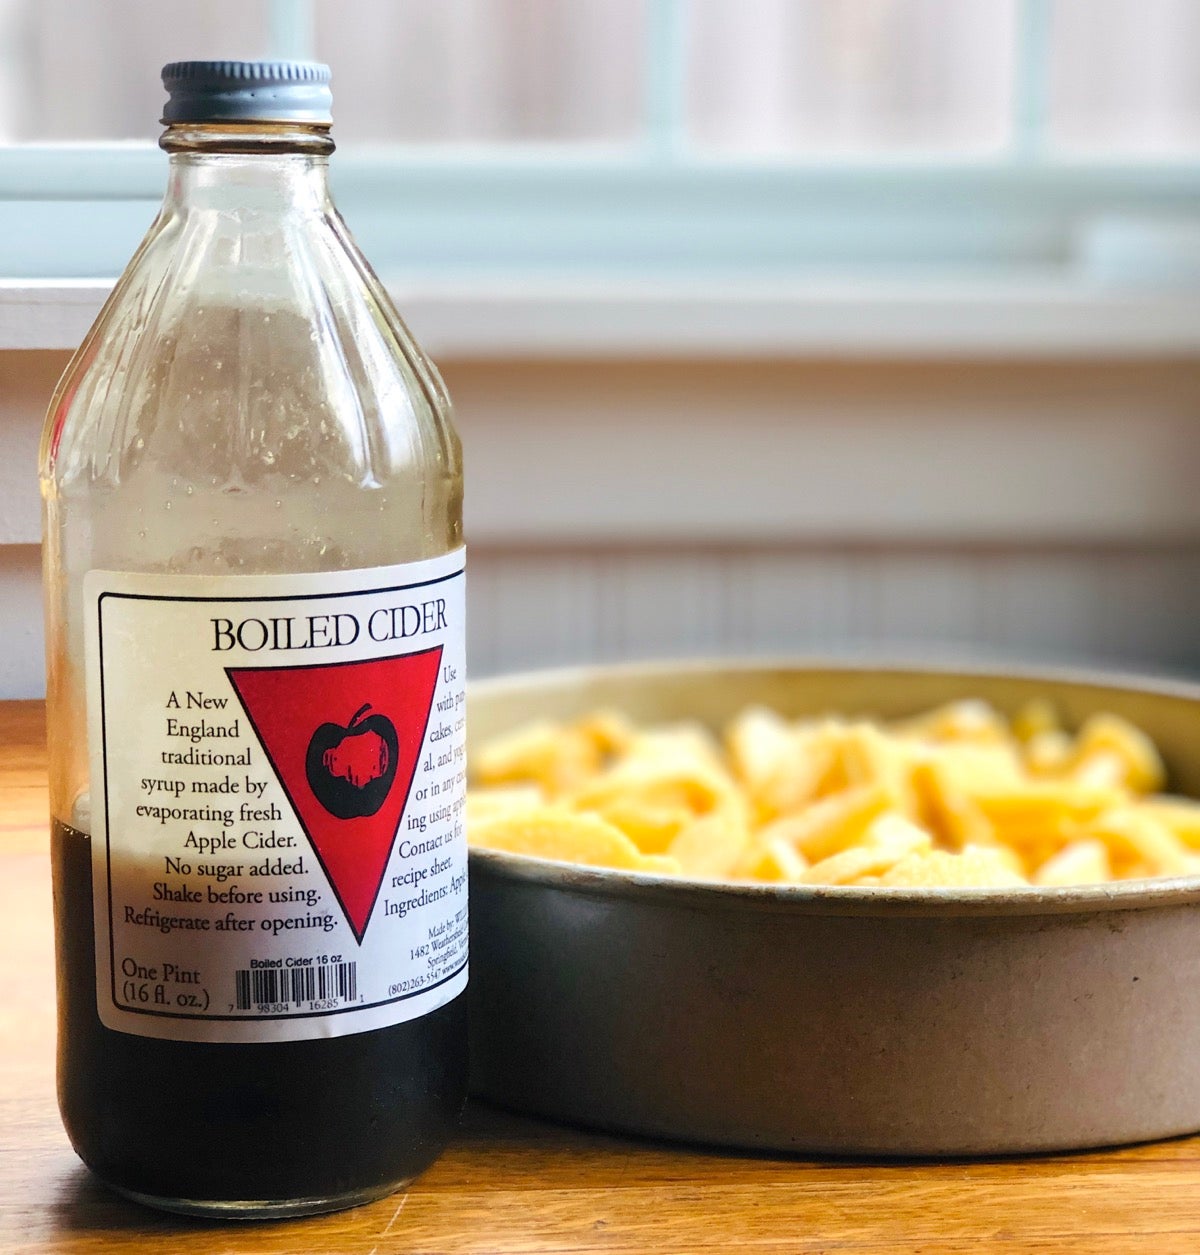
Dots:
(774, 326)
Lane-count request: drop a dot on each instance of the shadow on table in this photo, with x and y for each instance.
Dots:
(84, 1205)
(86, 1217)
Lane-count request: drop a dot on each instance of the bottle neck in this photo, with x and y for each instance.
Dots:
(254, 165)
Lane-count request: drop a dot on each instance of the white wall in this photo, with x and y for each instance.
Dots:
(1046, 510)
(617, 509)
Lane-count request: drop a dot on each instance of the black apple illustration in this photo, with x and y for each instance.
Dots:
(350, 770)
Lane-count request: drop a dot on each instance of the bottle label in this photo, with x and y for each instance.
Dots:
(278, 782)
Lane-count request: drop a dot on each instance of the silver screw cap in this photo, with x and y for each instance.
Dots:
(247, 91)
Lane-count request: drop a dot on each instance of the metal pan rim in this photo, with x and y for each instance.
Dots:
(827, 900)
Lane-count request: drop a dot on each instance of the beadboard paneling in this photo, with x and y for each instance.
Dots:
(1131, 607)
(1136, 608)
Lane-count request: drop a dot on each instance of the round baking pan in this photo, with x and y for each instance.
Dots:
(837, 1020)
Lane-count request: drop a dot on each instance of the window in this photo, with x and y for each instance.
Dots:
(1007, 141)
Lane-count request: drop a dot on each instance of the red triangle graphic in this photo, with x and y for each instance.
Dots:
(344, 739)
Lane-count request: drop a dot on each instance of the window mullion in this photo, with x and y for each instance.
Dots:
(666, 80)
(1031, 87)
(291, 29)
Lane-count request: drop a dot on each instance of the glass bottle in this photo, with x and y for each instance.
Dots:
(253, 569)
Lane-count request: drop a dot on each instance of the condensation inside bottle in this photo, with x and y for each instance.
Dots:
(248, 403)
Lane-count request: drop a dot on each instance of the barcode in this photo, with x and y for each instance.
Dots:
(273, 985)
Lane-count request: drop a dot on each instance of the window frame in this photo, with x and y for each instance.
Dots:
(660, 211)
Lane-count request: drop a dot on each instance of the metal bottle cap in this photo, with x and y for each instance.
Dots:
(247, 91)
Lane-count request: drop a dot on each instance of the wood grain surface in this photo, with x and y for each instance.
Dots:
(510, 1184)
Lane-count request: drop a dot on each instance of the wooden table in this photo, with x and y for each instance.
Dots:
(511, 1184)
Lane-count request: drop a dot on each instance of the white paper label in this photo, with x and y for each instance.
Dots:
(278, 781)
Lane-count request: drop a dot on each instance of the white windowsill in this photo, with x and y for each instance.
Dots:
(1029, 315)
